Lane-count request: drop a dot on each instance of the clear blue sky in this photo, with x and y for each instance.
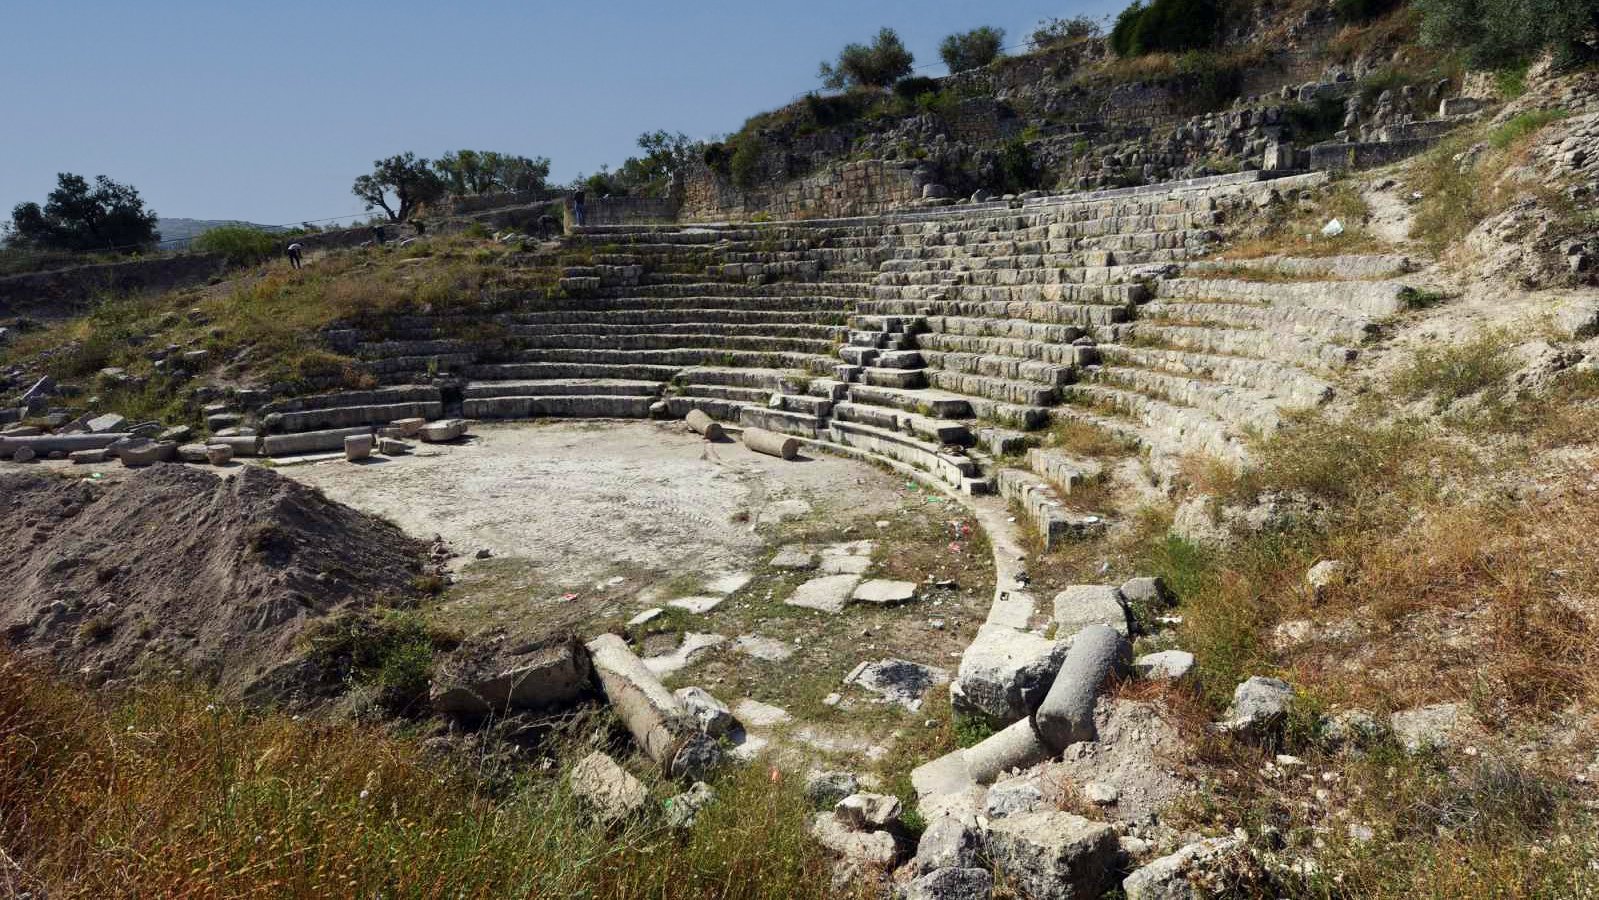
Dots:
(267, 111)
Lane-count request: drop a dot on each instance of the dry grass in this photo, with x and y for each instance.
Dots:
(1296, 230)
(162, 793)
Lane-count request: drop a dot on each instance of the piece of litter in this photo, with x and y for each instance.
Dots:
(568, 597)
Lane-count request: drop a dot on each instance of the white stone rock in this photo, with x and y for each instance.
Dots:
(882, 592)
(827, 593)
(1082, 605)
(1173, 664)
(696, 605)
(607, 789)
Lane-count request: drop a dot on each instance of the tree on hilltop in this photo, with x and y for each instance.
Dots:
(876, 65)
(972, 49)
(76, 216)
(411, 180)
(487, 172)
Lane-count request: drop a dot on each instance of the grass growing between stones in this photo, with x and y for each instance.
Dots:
(1471, 578)
(164, 792)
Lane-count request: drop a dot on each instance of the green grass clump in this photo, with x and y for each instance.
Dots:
(242, 246)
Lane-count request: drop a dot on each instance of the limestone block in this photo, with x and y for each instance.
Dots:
(1004, 674)
(444, 430)
(1082, 605)
(607, 789)
(1054, 855)
(358, 447)
(218, 454)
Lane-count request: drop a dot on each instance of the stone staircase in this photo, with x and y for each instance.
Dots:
(949, 340)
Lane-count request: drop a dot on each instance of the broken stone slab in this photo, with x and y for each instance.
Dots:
(682, 809)
(868, 812)
(177, 434)
(869, 848)
(87, 457)
(1053, 855)
(1012, 797)
(898, 680)
(828, 788)
(138, 452)
(728, 582)
(609, 791)
(192, 453)
(645, 617)
(692, 646)
(1067, 714)
(653, 715)
(538, 678)
(883, 592)
(393, 447)
(1082, 605)
(793, 556)
(828, 593)
(1004, 674)
(948, 842)
(763, 648)
(845, 565)
(1166, 878)
(406, 428)
(696, 605)
(46, 444)
(444, 430)
(107, 423)
(969, 883)
(1172, 664)
(1259, 706)
(309, 441)
(242, 445)
(704, 425)
(218, 454)
(358, 447)
(771, 443)
(710, 714)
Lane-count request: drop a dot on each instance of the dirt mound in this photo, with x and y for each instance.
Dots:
(176, 568)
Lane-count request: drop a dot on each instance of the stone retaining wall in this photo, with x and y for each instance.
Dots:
(860, 188)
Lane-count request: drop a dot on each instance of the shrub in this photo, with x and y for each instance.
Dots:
(1170, 26)
(1052, 31)
(912, 89)
(242, 246)
(1017, 170)
(744, 166)
(1505, 33)
(1311, 123)
(392, 651)
(875, 65)
(972, 49)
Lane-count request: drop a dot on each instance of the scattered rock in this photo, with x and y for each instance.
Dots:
(1427, 726)
(1082, 605)
(710, 714)
(951, 884)
(474, 683)
(949, 842)
(1053, 855)
(1101, 794)
(828, 788)
(1173, 664)
(1259, 706)
(1148, 591)
(1004, 674)
(870, 848)
(794, 556)
(682, 809)
(1167, 877)
(868, 812)
(1352, 726)
(1013, 797)
(828, 593)
(609, 791)
(1323, 576)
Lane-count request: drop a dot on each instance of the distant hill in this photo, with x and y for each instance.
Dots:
(177, 233)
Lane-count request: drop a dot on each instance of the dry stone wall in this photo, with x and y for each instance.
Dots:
(865, 187)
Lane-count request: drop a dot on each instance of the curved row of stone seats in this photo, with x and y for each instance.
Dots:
(345, 409)
(1043, 506)
(579, 397)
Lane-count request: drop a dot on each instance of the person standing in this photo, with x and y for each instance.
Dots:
(294, 254)
(577, 208)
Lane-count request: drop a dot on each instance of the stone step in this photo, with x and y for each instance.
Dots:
(1242, 408)
(1041, 353)
(409, 393)
(891, 324)
(349, 416)
(1290, 385)
(784, 381)
(786, 421)
(924, 401)
(1055, 522)
(406, 367)
(1010, 368)
(1325, 324)
(607, 406)
(934, 430)
(623, 342)
(702, 289)
(684, 357)
(828, 333)
(1343, 267)
(1355, 299)
(551, 371)
(422, 348)
(680, 405)
(1063, 471)
(1079, 315)
(1167, 428)
(899, 359)
(563, 387)
(1284, 347)
(1009, 329)
(952, 468)
(893, 378)
(654, 315)
(858, 355)
(1095, 294)
(1023, 393)
(725, 392)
